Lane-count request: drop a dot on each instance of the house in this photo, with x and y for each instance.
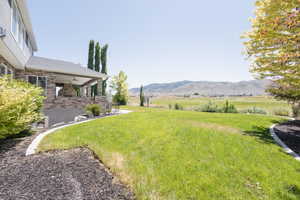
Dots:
(67, 86)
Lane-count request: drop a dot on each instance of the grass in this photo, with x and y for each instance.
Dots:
(268, 104)
(164, 154)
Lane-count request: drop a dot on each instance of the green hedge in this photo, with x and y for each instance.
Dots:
(20, 105)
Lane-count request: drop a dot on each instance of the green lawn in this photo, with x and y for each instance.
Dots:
(268, 104)
(164, 154)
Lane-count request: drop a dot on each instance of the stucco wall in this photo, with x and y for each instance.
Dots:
(9, 48)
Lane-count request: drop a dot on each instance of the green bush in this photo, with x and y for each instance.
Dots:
(94, 109)
(170, 106)
(229, 108)
(20, 106)
(254, 110)
(178, 106)
(209, 107)
(281, 112)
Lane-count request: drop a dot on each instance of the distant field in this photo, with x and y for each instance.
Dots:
(269, 104)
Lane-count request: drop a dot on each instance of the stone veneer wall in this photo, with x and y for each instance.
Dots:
(75, 102)
(50, 92)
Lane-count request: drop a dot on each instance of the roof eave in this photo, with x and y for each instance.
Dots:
(100, 76)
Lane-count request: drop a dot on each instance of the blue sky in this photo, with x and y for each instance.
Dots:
(151, 40)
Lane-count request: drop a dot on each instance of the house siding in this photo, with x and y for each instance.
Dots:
(9, 47)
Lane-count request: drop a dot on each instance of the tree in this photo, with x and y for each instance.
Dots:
(142, 97)
(104, 67)
(97, 57)
(273, 47)
(120, 86)
(91, 55)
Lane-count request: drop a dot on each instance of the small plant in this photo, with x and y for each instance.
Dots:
(229, 108)
(178, 107)
(254, 110)
(170, 106)
(94, 109)
(209, 107)
(281, 112)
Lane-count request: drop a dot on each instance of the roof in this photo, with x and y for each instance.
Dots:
(22, 4)
(62, 67)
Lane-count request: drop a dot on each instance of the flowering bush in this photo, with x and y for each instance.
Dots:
(20, 105)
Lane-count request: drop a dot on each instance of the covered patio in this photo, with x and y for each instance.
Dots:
(67, 86)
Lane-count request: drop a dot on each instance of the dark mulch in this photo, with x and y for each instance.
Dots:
(289, 133)
(73, 174)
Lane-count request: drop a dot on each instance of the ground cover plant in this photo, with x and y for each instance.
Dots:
(169, 154)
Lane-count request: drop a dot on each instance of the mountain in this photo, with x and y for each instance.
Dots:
(205, 88)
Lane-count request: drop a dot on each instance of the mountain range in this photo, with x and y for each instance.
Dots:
(205, 88)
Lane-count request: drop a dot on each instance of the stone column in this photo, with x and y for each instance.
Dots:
(99, 87)
(82, 91)
(88, 89)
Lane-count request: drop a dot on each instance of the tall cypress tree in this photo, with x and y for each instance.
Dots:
(97, 57)
(104, 67)
(91, 55)
(142, 97)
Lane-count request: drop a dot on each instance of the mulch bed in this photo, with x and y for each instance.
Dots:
(69, 175)
(289, 133)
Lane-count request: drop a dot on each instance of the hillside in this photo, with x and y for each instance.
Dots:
(206, 88)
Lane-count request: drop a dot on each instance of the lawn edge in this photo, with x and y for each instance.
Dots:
(282, 144)
(35, 143)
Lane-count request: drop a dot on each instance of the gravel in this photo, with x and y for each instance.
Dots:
(69, 175)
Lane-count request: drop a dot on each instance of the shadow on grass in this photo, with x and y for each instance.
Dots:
(293, 189)
(262, 133)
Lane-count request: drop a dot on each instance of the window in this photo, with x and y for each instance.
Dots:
(18, 29)
(4, 70)
(14, 26)
(39, 81)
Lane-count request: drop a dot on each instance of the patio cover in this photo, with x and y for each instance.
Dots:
(62, 67)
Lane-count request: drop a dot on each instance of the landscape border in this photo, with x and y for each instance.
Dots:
(35, 143)
(282, 144)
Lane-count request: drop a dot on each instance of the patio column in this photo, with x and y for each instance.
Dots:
(99, 87)
(82, 91)
(88, 90)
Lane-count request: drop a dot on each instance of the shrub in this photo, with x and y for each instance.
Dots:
(178, 107)
(281, 112)
(20, 106)
(94, 109)
(209, 107)
(254, 110)
(229, 108)
(170, 106)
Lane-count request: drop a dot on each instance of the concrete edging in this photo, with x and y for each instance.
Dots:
(282, 144)
(35, 143)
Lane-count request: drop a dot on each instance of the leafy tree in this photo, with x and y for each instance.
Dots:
(120, 86)
(91, 55)
(142, 97)
(97, 57)
(104, 67)
(274, 47)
